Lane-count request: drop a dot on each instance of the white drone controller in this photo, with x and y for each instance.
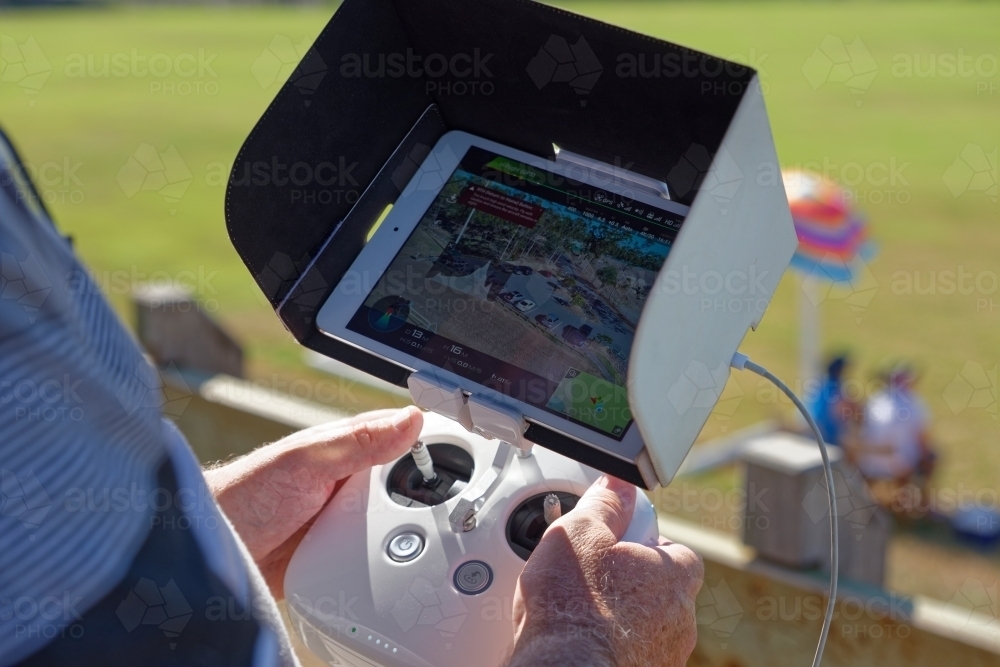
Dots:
(416, 563)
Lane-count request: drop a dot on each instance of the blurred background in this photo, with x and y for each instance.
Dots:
(897, 103)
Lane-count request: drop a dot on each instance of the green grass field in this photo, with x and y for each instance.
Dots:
(894, 140)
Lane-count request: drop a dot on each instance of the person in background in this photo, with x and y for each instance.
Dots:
(893, 446)
(832, 410)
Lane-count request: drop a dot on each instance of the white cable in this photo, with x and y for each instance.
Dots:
(742, 362)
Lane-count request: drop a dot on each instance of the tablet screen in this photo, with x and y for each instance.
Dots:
(528, 283)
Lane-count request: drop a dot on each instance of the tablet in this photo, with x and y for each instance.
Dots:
(518, 279)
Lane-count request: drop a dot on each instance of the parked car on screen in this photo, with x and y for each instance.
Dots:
(524, 305)
(576, 337)
(512, 296)
(523, 270)
(547, 320)
(547, 274)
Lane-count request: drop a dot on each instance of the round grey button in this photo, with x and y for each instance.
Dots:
(405, 547)
(473, 577)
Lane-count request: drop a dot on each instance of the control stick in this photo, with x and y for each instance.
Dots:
(552, 508)
(422, 457)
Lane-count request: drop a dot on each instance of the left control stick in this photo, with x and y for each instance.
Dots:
(422, 457)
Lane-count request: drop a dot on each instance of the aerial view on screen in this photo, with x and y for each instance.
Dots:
(528, 283)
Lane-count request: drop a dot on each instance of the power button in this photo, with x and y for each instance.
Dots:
(473, 577)
(405, 547)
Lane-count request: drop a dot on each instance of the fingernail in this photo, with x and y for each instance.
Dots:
(602, 482)
(401, 420)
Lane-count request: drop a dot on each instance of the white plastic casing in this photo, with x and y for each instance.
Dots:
(718, 279)
(342, 588)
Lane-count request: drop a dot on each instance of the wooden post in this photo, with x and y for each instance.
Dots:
(174, 329)
(786, 517)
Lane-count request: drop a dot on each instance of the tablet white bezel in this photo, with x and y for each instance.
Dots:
(396, 228)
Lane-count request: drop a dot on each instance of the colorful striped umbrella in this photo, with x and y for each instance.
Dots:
(832, 257)
(833, 235)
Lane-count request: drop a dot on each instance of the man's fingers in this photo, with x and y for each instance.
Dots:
(609, 501)
(389, 437)
(688, 562)
(368, 442)
(371, 415)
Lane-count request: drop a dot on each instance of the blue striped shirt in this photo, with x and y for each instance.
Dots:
(81, 442)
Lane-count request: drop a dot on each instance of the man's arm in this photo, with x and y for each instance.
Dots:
(585, 599)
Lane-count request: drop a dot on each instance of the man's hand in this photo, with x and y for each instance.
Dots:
(273, 494)
(585, 599)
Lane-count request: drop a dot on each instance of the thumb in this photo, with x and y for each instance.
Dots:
(369, 442)
(609, 501)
